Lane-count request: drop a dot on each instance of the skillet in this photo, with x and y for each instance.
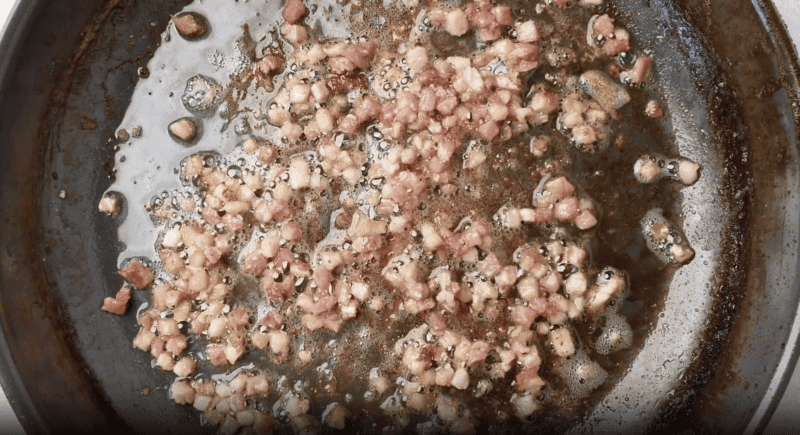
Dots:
(714, 358)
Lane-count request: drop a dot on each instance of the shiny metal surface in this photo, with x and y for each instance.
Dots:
(785, 407)
(786, 418)
(9, 423)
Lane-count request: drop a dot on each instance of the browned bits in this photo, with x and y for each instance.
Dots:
(270, 64)
(346, 83)
(343, 221)
(88, 124)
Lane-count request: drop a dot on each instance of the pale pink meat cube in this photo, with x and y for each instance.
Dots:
(137, 274)
(119, 303)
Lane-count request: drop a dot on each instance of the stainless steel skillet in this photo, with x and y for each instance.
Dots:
(714, 362)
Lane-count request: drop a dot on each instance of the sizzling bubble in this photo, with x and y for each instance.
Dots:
(617, 335)
(202, 96)
(665, 239)
(581, 374)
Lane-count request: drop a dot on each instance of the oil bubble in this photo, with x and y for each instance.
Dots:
(617, 335)
(202, 96)
(581, 374)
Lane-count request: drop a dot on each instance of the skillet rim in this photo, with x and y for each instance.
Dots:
(23, 15)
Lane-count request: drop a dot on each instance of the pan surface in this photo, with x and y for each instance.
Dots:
(711, 355)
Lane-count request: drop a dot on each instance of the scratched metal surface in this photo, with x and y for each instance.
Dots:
(96, 389)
